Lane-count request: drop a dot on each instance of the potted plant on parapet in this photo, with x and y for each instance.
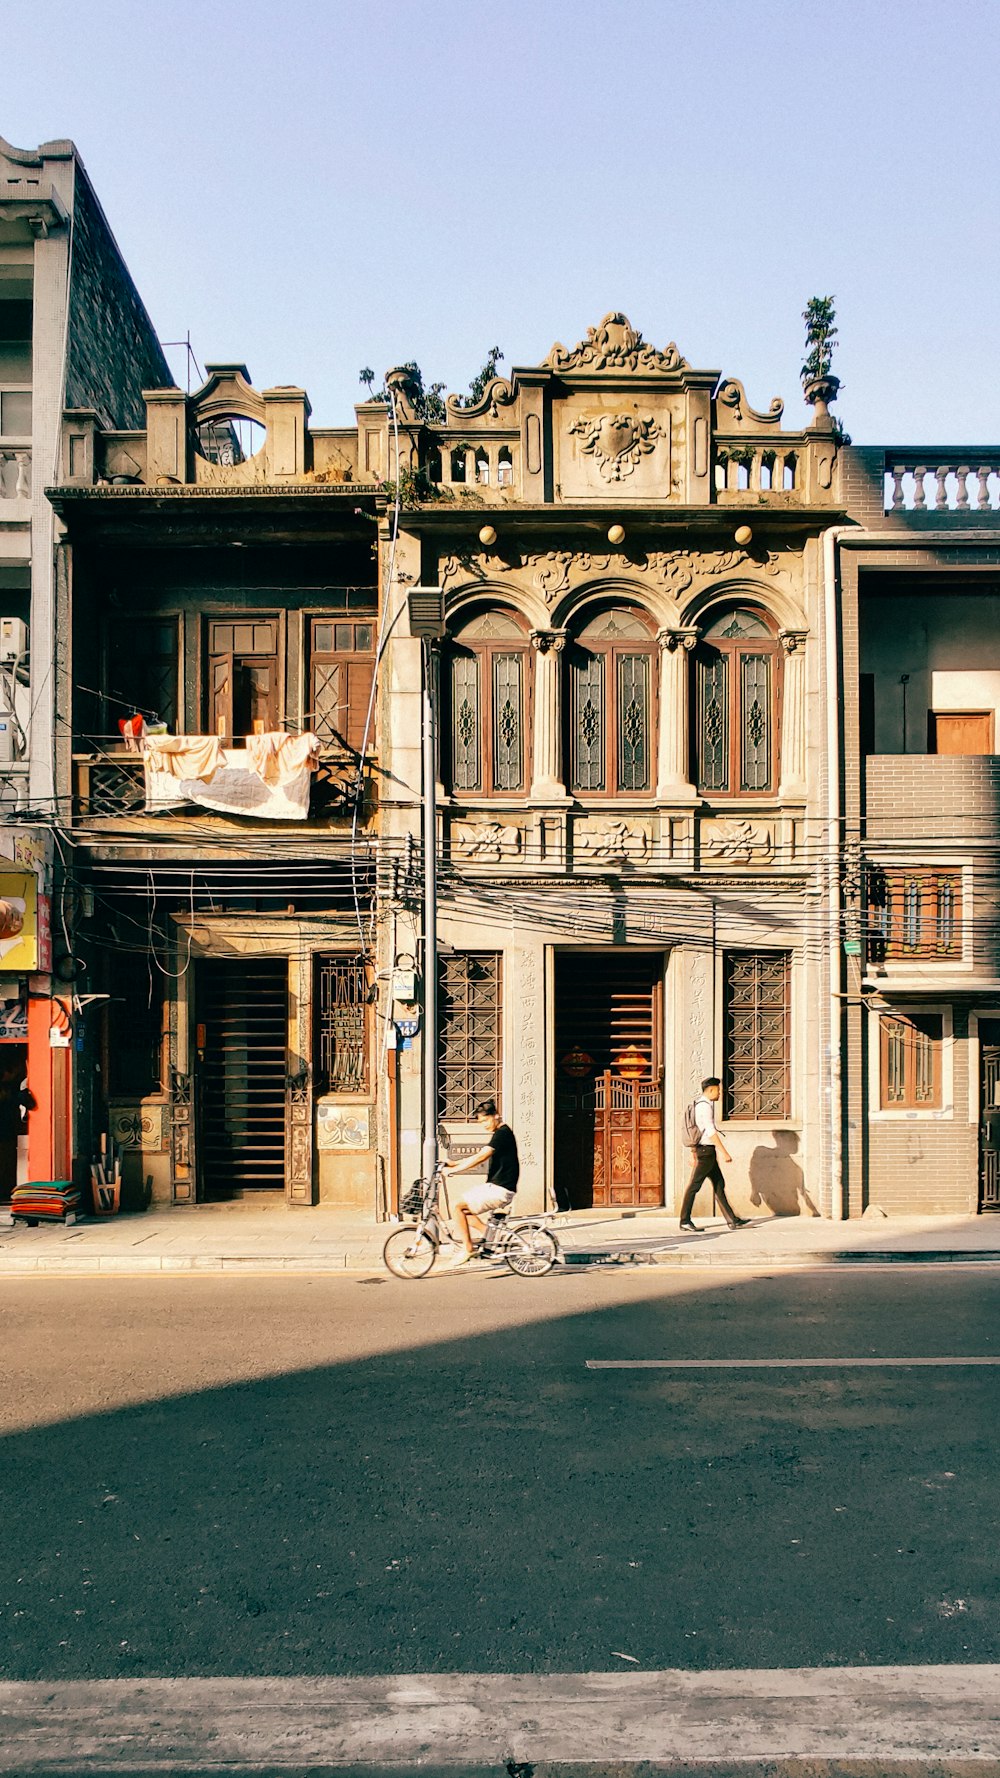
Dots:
(819, 386)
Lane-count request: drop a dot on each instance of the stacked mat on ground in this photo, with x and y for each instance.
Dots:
(48, 1200)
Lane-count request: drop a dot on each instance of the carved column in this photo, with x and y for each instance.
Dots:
(547, 768)
(673, 780)
(793, 715)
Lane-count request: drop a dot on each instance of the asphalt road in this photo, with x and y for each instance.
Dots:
(267, 1476)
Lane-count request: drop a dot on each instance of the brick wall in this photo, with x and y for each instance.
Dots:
(113, 351)
(922, 1167)
(931, 797)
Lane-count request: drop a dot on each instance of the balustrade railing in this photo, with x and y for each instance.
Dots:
(15, 472)
(755, 469)
(943, 480)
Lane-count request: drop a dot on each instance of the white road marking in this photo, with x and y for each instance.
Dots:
(469, 1720)
(775, 1364)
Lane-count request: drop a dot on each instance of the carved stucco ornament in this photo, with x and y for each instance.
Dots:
(613, 842)
(614, 345)
(733, 396)
(617, 442)
(489, 841)
(737, 842)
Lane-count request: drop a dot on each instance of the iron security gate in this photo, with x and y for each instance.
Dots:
(242, 1014)
(989, 1115)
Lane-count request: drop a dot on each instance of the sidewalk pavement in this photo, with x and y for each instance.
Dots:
(246, 1238)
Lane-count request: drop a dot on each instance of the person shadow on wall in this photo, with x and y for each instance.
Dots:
(777, 1180)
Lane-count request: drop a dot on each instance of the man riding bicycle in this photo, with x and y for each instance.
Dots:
(503, 1170)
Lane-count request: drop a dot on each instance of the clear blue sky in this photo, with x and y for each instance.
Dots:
(313, 186)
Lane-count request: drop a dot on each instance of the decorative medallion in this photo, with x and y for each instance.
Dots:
(614, 345)
(617, 442)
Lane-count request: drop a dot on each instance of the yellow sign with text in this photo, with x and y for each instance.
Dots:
(18, 922)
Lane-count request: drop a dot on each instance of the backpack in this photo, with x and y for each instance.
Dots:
(692, 1133)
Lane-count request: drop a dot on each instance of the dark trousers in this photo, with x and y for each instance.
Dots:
(706, 1167)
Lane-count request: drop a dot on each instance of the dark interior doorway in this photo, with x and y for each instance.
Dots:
(609, 1079)
(989, 1114)
(242, 1031)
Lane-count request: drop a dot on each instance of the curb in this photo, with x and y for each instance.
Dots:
(139, 1265)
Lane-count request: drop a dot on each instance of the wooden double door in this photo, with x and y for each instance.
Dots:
(609, 1079)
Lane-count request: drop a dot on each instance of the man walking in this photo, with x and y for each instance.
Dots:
(706, 1159)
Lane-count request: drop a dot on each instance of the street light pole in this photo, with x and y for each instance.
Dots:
(426, 612)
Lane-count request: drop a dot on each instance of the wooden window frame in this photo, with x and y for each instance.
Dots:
(736, 651)
(736, 1064)
(358, 664)
(210, 657)
(902, 1085)
(486, 653)
(462, 1083)
(611, 653)
(341, 984)
(898, 895)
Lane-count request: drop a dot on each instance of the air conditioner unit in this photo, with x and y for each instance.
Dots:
(13, 793)
(13, 638)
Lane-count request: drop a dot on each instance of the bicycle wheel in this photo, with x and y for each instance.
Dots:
(409, 1252)
(530, 1251)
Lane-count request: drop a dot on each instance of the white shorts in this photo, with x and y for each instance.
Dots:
(480, 1199)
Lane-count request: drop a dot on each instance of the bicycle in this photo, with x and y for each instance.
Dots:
(528, 1247)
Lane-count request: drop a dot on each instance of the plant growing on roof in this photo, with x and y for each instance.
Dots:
(482, 379)
(819, 316)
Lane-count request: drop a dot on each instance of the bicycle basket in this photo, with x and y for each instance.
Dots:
(412, 1203)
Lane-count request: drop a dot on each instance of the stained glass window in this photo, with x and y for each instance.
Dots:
(611, 706)
(487, 711)
(735, 702)
(757, 1034)
(465, 754)
(587, 719)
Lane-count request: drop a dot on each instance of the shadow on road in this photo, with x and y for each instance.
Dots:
(482, 1502)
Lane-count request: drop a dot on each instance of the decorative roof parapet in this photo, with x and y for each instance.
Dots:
(615, 345)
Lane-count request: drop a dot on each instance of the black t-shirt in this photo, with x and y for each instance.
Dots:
(504, 1168)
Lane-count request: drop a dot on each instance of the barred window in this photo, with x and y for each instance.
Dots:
(736, 706)
(470, 1021)
(757, 1034)
(341, 1023)
(611, 706)
(910, 1061)
(914, 913)
(487, 706)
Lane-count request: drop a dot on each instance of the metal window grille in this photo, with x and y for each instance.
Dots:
(914, 913)
(341, 1022)
(910, 1061)
(633, 722)
(470, 1021)
(757, 987)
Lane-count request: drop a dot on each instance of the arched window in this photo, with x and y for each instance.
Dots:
(610, 718)
(487, 706)
(736, 706)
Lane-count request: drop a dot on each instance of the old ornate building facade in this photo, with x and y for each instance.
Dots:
(716, 774)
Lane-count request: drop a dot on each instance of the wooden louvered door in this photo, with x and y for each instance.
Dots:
(242, 1014)
(609, 1079)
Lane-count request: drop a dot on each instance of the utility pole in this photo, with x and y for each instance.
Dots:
(426, 611)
